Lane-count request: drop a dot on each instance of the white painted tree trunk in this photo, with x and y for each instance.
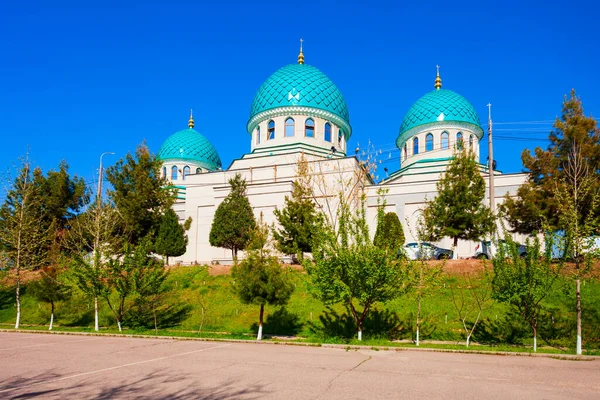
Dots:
(417, 336)
(259, 335)
(534, 343)
(51, 321)
(119, 325)
(96, 313)
(360, 334)
(18, 298)
(18, 316)
(468, 340)
(578, 307)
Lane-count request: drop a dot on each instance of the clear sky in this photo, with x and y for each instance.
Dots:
(81, 78)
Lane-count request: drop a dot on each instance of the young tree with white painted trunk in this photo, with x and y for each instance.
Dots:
(259, 278)
(50, 288)
(348, 268)
(471, 298)
(525, 282)
(22, 237)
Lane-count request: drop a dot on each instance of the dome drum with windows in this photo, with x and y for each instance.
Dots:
(188, 151)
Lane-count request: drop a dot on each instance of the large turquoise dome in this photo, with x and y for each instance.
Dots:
(189, 145)
(440, 105)
(300, 86)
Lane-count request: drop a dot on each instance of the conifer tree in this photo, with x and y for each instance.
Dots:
(458, 210)
(389, 234)
(536, 205)
(171, 240)
(259, 278)
(297, 220)
(234, 219)
(139, 194)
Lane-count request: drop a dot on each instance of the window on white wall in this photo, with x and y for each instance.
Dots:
(174, 173)
(289, 127)
(309, 128)
(459, 141)
(271, 130)
(471, 142)
(445, 138)
(258, 135)
(328, 132)
(186, 171)
(416, 146)
(429, 142)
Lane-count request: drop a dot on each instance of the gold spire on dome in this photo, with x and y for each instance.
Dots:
(191, 121)
(301, 55)
(438, 80)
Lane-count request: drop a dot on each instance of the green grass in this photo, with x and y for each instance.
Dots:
(307, 320)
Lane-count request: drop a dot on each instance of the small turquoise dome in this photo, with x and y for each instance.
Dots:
(440, 105)
(300, 86)
(189, 145)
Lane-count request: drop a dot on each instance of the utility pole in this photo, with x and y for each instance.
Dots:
(491, 160)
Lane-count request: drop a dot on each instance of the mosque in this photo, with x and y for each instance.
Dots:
(299, 114)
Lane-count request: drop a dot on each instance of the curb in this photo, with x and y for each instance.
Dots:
(571, 357)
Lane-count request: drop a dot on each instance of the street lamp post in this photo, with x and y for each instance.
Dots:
(99, 194)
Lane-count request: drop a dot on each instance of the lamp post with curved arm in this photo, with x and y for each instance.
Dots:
(99, 194)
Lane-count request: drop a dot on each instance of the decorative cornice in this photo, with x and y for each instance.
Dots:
(299, 110)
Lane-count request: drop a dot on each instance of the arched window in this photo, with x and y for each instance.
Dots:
(471, 142)
(328, 132)
(429, 142)
(186, 171)
(445, 140)
(459, 141)
(405, 151)
(174, 173)
(198, 170)
(340, 136)
(289, 127)
(271, 130)
(309, 128)
(416, 145)
(258, 135)
(164, 172)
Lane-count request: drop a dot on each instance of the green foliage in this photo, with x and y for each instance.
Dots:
(458, 211)
(536, 204)
(348, 268)
(298, 218)
(259, 278)
(171, 240)
(524, 282)
(50, 288)
(389, 234)
(234, 219)
(139, 193)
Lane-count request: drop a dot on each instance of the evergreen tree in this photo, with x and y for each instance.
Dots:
(389, 234)
(171, 240)
(259, 278)
(536, 204)
(458, 210)
(49, 289)
(297, 220)
(138, 192)
(234, 219)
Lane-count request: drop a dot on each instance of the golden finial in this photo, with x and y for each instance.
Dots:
(301, 55)
(438, 80)
(191, 121)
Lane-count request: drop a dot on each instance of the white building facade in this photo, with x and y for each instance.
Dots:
(299, 114)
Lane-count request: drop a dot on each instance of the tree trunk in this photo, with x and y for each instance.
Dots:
(578, 307)
(454, 252)
(202, 321)
(260, 322)
(167, 261)
(418, 316)
(51, 315)
(468, 339)
(155, 323)
(359, 333)
(119, 325)
(534, 339)
(96, 313)
(18, 298)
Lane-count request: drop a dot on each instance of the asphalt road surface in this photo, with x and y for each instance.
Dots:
(82, 367)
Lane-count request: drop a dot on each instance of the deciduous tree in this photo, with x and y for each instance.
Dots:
(50, 288)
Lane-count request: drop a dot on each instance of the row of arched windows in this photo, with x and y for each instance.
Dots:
(290, 128)
(175, 172)
(444, 143)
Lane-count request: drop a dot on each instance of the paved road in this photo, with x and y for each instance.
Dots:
(74, 367)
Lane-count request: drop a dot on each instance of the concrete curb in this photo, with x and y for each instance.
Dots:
(571, 357)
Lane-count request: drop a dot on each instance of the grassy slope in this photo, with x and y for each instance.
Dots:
(309, 318)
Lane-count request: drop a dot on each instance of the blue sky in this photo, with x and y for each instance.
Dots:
(81, 78)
